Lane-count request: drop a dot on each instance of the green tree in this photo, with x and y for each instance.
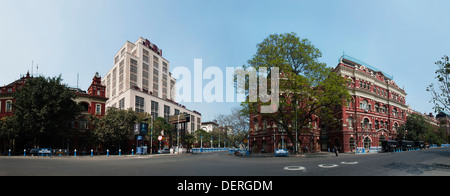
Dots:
(8, 131)
(416, 125)
(306, 85)
(43, 108)
(199, 133)
(162, 127)
(114, 128)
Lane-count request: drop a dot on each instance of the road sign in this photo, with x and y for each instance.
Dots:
(160, 137)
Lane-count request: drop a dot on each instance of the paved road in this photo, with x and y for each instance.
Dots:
(425, 162)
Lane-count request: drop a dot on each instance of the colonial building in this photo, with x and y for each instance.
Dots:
(93, 102)
(6, 95)
(209, 126)
(375, 113)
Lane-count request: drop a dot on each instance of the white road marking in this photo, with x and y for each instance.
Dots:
(349, 163)
(327, 165)
(294, 168)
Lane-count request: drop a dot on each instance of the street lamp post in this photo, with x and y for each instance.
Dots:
(178, 134)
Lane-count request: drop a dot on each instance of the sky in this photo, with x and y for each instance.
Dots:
(402, 38)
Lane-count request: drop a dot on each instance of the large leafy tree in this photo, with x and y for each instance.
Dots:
(8, 131)
(114, 128)
(43, 108)
(306, 86)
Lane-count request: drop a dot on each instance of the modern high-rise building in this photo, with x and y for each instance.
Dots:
(140, 79)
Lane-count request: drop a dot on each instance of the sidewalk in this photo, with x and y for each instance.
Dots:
(95, 156)
(313, 154)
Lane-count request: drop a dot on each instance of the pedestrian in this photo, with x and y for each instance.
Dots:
(336, 150)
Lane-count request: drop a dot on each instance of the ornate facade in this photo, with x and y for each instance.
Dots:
(376, 111)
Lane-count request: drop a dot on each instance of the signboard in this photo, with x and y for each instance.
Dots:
(180, 118)
(141, 129)
(44, 151)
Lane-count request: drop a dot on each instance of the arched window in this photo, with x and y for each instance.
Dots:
(350, 122)
(367, 142)
(395, 112)
(395, 126)
(377, 107)
(84, 106)
(364, 105)
(351, 142)
(366, 123)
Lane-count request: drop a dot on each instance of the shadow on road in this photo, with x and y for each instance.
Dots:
(419, 168)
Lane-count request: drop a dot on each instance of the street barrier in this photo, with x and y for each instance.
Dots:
(200, 150)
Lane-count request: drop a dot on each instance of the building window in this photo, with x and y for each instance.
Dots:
(395, 112)
(8, 106)
(122, 103)
(166, 112)
(377, 108)
(364, 105)
(98, 109)
(367, 142)
(155, 109)
(350, 122)
(139, 104)
(351, 142)
(366, 124)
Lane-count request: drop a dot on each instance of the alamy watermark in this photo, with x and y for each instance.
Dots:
(213, 91)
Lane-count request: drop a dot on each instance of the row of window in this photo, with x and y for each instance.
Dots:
(380, 91)
(140, 107)
(367, 125)
(364, 105)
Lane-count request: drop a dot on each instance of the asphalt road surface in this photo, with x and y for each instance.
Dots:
(433, 162)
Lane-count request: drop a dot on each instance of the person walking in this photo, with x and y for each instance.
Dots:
(336, 150)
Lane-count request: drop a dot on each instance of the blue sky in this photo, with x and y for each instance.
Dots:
(400, 37)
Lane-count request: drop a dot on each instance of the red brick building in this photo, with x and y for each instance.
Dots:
(93, 102)
(375, 113)
(6, 95)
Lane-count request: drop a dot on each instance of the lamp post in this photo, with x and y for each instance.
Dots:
(178, 134)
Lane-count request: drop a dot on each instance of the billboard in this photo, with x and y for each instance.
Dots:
(141, 129)
(180, 118)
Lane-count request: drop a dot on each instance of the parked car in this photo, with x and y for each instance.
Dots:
(164, 151)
